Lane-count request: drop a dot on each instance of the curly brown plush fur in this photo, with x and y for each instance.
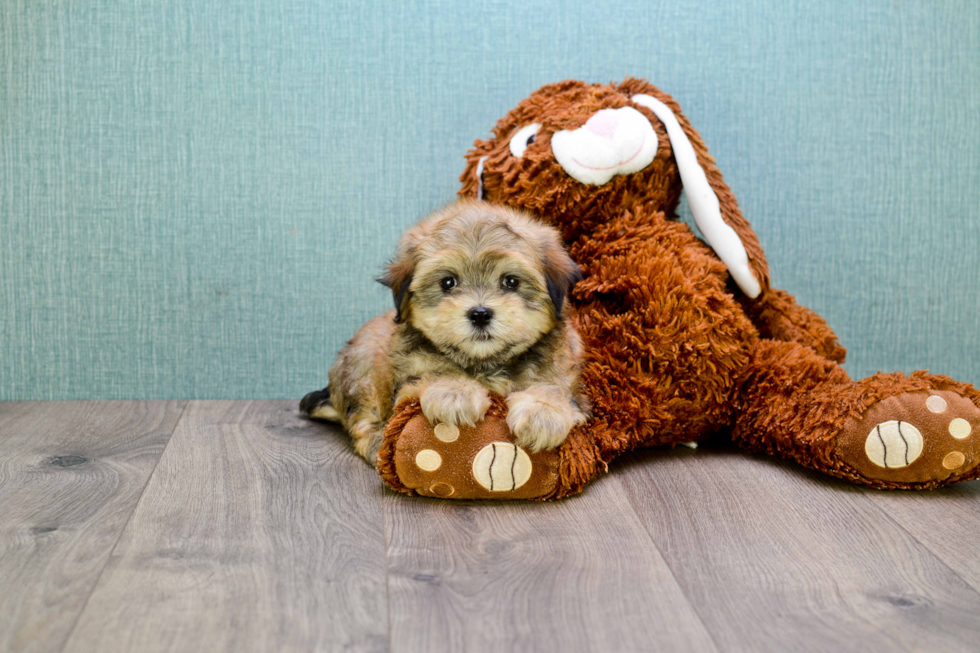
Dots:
(674, 351)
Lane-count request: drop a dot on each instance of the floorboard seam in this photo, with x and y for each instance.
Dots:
(867, 498)
(653, 541)
(122, 530)
(384, 528)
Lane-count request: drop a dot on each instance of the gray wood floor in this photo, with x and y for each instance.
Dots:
(238, 526)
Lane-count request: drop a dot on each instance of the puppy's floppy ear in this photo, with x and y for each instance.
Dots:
(561, 274)
(399, 277)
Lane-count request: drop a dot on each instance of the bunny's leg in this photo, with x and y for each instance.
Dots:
(887, 430)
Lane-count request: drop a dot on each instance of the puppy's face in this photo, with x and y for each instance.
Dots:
(481, 282)
(482, 297)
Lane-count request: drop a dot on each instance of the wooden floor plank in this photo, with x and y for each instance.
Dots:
(945, 521)
(259, 531)
(71, 474)
(576, 575)
(776, 558)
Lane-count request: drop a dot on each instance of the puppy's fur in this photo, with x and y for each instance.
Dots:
(479, 297)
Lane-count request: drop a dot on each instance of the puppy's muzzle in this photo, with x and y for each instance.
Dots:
(480, 316)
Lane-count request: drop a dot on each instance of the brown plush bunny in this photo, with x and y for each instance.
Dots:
(684, 338)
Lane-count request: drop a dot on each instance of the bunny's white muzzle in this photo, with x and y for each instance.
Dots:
(612, 142)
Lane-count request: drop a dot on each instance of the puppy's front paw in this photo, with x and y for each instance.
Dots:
(541, 417)
(454, 401)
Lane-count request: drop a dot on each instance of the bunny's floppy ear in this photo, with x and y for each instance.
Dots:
(472, 177)
(715, 213)
(704, 202)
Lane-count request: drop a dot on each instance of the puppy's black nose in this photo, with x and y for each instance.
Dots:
(480, 316)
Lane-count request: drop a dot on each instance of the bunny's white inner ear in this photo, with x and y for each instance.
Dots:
(703, 201)
(479, 177)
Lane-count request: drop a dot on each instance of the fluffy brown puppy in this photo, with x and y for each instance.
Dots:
(479, 307)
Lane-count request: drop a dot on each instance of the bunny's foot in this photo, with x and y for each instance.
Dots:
(921, 438)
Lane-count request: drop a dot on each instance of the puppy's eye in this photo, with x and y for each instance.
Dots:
(524, 137)
(447, 284)
(510, 282)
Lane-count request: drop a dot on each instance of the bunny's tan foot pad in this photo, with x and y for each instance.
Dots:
(465, 462)
(917, 438)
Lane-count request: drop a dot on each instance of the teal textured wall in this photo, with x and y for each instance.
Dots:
(195, 196)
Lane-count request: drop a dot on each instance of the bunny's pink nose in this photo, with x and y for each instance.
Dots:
(603, 123)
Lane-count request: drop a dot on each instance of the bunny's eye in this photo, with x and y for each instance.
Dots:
(524, 137)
